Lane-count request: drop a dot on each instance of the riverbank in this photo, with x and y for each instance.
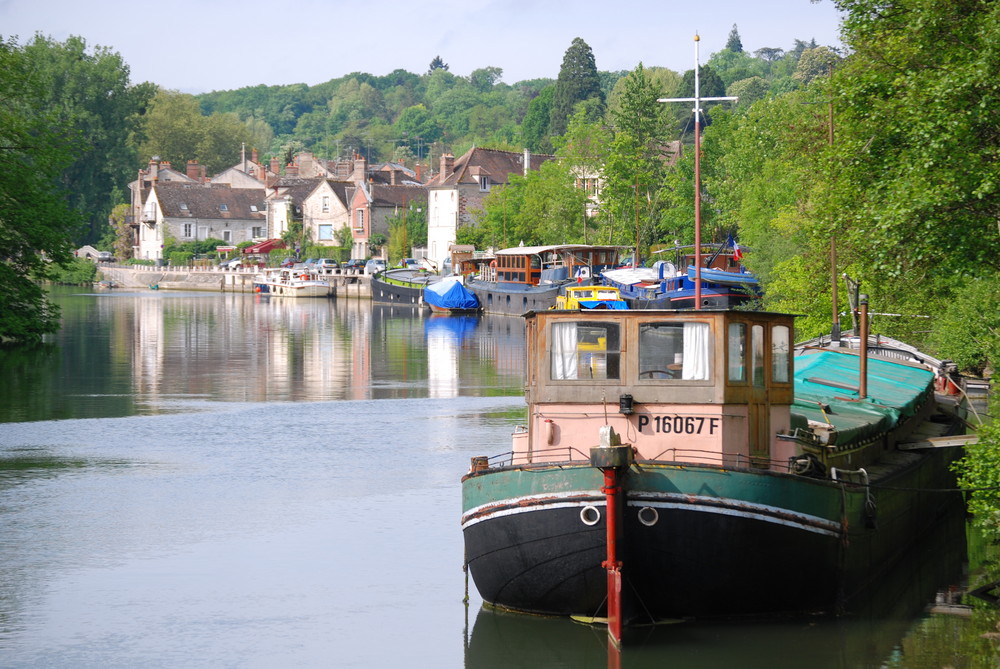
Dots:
(349, 285)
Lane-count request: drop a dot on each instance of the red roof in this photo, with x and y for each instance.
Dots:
(265, 247)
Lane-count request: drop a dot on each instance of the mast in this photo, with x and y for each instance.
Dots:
(698, 111)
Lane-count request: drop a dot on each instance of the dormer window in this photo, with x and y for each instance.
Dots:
(484, 183)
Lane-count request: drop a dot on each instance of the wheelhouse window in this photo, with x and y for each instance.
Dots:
(581, 350)
(737, 352)
(757, 354)
(780, 354)
(679, 351)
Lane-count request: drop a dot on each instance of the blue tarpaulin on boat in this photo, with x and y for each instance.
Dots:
(450, 294)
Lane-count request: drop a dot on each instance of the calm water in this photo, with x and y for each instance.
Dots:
(205, 480)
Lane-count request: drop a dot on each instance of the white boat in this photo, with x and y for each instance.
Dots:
(286, 282)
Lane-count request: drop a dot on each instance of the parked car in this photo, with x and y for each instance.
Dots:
(374, 266)
(326, 265)
(105, 256)
(355, 264)
(410, 263)
(232, 263)
(288, 262)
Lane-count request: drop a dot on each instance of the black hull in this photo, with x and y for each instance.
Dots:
(690, 564)
(390, 293)
(699, 542)
(496, 299)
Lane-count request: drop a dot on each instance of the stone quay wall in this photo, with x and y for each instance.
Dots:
(224, 281)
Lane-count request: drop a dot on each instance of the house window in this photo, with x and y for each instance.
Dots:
(359, 219)
(188, 230)
(227, 236)
(324, 233)
(253, 207)
(484, 183)
(184, 206)
(223, 207)
(326, 204)
(257, 232)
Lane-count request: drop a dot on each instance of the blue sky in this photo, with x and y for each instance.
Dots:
(197, 46)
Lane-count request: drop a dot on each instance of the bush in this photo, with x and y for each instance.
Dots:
(78, 272)
(180, 258)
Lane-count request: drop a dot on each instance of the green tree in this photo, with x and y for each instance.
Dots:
(437, 64)
(89, 90)
(121, 231)
(36, 221)
(485, 78)
(416, 124)
(734, 43)
(748, 91)
(578, 81)
(635, 168)
(535, 128)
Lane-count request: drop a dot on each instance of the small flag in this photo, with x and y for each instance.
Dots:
(737, 252)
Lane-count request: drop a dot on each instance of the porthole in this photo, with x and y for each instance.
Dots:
(590, 515)
(648, 516)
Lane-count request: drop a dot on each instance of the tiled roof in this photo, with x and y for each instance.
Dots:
(392, 196)
(497, 165)
(210, 201)
(299, 188)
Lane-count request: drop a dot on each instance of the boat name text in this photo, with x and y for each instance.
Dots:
(678, 424)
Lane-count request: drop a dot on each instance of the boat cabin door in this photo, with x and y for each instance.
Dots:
(769, 365)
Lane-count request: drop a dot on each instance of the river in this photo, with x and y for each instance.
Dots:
(219, 480)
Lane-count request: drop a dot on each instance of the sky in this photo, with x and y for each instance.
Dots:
(196, 46)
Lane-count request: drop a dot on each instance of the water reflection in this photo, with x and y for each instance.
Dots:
(126, 353)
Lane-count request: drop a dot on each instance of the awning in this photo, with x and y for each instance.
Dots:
(264, 247)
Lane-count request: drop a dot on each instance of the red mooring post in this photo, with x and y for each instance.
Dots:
(613, 565)
(614, 460)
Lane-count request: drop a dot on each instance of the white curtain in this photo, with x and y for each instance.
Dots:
(564, 353)
(697, 343)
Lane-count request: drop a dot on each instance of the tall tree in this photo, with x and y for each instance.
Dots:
(637, 160)
(437, 64)
(89, 89)
(734, 43)
(578, 81)
(36, 222)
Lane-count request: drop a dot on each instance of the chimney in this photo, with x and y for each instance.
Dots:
(360, 169)
(447, 165)
(291, 170)
(392, 177)
(253, 156)
(193, 170)
(154, 168)
(275, 166)
(527, 161)
(419, 169)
